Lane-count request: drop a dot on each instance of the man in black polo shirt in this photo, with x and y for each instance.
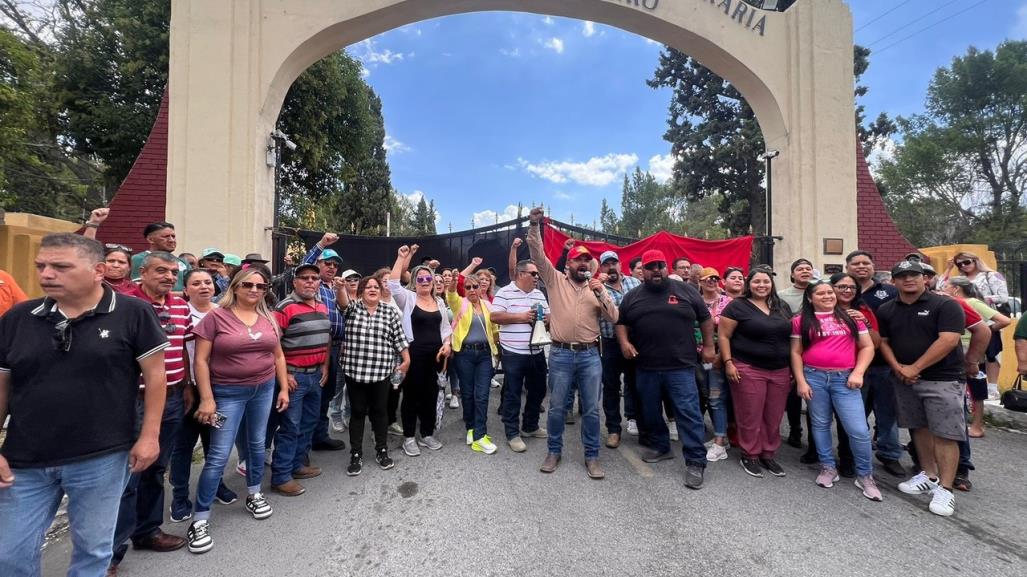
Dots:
(656, 326)
(69, 378)
(920, 341)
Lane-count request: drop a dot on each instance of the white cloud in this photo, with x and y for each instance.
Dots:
(560, 195)
(554, 44)
(588, 29)
(596, 171)
(548, 21)
(662, 167)
(510, 52)
(370, 56)
(487, 217)
(653, 42)
(1020, 27)
(414, 197)
(885, 152)
(393, 146)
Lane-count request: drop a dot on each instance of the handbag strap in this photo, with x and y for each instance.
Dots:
(1018, 383)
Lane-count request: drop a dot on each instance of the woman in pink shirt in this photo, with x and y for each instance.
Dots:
(830, 353)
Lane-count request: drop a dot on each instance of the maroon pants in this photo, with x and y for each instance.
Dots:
(759, 399)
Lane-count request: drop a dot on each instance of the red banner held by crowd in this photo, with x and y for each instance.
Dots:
(718, 254)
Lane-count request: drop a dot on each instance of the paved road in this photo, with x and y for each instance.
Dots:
(455, 512)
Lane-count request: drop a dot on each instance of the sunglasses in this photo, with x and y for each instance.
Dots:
(471, 286)
(165, 322)
(112, 246)
(330, 263)
(309, 278)
(654, 266)
(712, 278)
(248, 285)
(963, 262)
(425, 280)
(533, 273)
(352, 279)
(62, 336)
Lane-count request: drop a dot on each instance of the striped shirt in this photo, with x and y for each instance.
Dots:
(516, 338)
(327, 294)
(175, 318)
(306, 331)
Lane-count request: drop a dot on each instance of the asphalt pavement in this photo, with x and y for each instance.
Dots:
(456, 512)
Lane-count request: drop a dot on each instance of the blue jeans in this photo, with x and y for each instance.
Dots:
(718, 394)
(181, 464)
(235, 401)
(28, 507)
(296, 428)
(569, 369)
(614, 365)
(328, 393)
(680, 386)
(474, 369)
(522, 373)
(879, 380)
(831, 396)
(142, 504)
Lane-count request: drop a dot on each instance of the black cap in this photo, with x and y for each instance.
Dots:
(906, 267)
(305, 266)
(799, 261)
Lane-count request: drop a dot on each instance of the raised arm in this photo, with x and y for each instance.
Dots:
(511, 260)
(96, 218)
(538, 253)
(327, 240)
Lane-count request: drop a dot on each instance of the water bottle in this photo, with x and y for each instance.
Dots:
(397, 379)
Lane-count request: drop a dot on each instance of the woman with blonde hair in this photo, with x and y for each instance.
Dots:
(991, 290)
(238, 359)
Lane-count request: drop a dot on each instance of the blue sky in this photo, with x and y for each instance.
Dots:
(489, 109)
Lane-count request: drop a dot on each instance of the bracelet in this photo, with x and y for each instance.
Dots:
(726, 361)
(90, 225)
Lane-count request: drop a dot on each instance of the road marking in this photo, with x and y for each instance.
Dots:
(640, 466)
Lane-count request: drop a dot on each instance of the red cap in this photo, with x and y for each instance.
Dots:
(651, 256)
(579, 251)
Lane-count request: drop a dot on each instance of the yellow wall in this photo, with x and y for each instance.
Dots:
(20, 235)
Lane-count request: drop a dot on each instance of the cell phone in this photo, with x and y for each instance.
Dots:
(219, 420)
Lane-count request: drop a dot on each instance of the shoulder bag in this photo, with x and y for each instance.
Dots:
(1015, 399)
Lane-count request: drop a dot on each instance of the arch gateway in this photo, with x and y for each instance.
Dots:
(233, 62)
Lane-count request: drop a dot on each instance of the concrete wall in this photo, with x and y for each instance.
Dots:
(233, 62)
(20, 234)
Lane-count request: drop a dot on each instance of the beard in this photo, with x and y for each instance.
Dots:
(655, 284)
(576, 274)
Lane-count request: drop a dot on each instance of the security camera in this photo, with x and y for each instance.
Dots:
(284, 138)
(769, 154)
(290, 144)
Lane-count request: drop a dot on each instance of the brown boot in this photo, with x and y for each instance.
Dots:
(593, 469)
(549, 465)
(160, 542)
(613, 440)
(307, 472)
(290, 489)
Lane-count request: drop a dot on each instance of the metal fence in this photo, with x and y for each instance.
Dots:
(1012, 263)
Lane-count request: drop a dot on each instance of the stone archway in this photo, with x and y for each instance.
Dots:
(233, 62)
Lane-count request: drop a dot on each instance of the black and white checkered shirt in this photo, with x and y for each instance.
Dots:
(372, 342)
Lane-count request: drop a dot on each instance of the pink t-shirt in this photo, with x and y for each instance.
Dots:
(238, 356)
(833, 347)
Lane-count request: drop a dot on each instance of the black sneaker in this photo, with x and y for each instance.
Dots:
(847, 469)
(225, 496)
(384, 460)
(258, 506)
(795, 439)
(893, 467)
(199, 538)
(809, 457)
(693, 476)
(356, 464)
(751, 466)
(772, 466)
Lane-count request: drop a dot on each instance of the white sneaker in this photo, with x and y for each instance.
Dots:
(716, 453)
(943, 502)
(410, 447)
(199, 537)
(633, 427)
(449, 396)
(484, 445)
(430, 442)
(396, 429)
(673, 428)
(454, 403)
(338, 424)
(495, 383)
(919, 484)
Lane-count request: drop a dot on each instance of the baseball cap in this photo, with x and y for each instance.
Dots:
(233, 259)
(907, 267)
(608, 255)
(799, 261)
(349, 272)
(296, 271)
(211, 252)
(330, 254)
(708, 272)
(578, 252)
(928, 269)
(653, 255)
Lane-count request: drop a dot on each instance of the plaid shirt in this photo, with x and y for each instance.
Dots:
(328, 298)
(627, 283)
(372, 342)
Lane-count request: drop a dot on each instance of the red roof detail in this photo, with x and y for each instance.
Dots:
(878, 233)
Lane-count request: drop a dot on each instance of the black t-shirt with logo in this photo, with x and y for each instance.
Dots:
(761, 340)
(73, 405)
(911, 329)
(661, 324)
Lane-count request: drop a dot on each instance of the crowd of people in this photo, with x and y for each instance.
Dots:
(221, 351)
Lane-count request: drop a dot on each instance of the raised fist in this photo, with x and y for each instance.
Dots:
(413, 249)
(569, 244)
(476, 261)
(99, 215)
(404, 251)
(536, 215)
(329, 239)
(517, 242)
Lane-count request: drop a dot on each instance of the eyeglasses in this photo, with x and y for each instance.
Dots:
(471, 287)
(654, 266)
(533, 273)
(712, 278)
(963, 262)
(260, 286)
(62, 336)
(165, 322)
(330, 263)
(425, 280)
(845, 288)
(309, 278)
(352, 279)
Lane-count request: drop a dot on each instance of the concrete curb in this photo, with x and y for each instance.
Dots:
(998, 416)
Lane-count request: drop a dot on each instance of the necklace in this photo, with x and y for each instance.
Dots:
(249, 327)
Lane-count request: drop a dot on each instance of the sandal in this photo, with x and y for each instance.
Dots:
(962, 484)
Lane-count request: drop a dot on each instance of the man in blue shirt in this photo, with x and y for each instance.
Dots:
(329, 263)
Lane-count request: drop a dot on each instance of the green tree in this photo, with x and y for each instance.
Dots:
(422, 220)
(964, 161)
(608, 221)
(646, 205)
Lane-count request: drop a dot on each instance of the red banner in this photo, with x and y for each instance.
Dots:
(718, 254)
